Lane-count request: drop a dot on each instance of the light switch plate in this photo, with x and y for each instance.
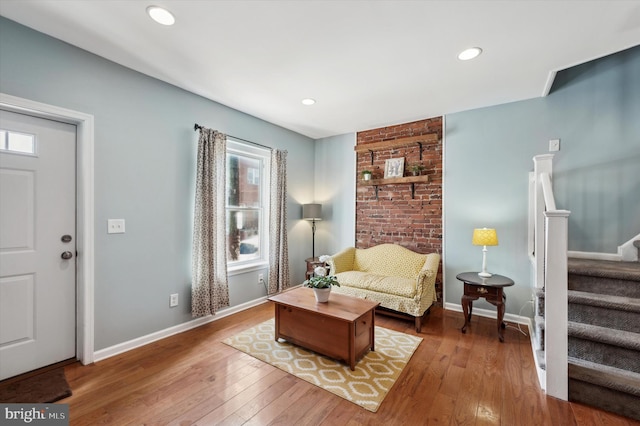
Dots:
(115, 226)
(173, 300)
(554, 145)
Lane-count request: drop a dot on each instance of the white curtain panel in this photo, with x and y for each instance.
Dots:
(210, 287)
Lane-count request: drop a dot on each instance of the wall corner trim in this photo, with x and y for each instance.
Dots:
(549, 83)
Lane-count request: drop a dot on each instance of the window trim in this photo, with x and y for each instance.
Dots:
(264, 156)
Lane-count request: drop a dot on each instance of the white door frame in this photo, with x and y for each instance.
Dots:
(85, 262)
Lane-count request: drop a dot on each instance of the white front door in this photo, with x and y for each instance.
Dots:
(37, 243)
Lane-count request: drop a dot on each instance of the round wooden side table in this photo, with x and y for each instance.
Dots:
(490, 289)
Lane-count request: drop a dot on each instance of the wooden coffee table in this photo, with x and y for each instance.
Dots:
(342, 328)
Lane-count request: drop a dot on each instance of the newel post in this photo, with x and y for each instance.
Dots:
(542, 164)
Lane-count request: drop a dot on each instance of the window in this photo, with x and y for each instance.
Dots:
(21, 143)
(246, 204)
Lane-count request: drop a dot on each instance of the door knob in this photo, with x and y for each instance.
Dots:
(67, 255)
(66, 238)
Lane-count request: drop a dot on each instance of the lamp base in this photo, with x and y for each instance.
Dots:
(484, 274)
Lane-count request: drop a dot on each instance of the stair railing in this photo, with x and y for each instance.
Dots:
(548, 245)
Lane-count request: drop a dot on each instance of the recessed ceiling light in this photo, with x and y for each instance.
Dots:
(471, 53)
(160, 15)
(308, 101)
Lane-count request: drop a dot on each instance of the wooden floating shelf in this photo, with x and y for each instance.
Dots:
(412, 180)
(396, 180)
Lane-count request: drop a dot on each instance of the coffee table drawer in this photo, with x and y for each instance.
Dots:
(482, 291)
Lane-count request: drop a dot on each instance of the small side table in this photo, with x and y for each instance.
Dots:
(489, 288)
(312, 263)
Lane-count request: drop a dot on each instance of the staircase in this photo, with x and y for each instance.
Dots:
(603, 334)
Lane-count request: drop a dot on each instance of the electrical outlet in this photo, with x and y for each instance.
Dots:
(260, 279)
(173, 300)
(115, 226)
(554, 145)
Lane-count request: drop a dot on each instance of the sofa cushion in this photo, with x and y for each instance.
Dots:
(389, 260)
(398, 286)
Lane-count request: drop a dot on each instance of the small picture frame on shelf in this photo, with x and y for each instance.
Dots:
(394, 167)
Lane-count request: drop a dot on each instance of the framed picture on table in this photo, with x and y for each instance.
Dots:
(394, 167)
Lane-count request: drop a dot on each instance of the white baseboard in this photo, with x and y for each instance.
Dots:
(491, 314)
(105, 353)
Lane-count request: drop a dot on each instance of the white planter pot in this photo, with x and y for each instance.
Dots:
(367, 176)
(322, 294)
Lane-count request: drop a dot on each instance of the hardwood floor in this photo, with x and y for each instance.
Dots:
(193, 378)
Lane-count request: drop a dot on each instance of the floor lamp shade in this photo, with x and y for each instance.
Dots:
(311, 211)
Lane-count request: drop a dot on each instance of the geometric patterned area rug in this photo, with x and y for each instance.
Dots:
(367, 386)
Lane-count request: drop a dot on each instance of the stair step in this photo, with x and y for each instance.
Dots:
(605, 269)
(605, 375)
(605, 277)
(605, 387)
(616, 348)
(615, 312)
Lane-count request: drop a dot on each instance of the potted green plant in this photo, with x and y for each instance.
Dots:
(366, 174)
(416, 168)
(321, 284)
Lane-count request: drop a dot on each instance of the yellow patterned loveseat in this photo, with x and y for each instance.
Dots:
(402, 281)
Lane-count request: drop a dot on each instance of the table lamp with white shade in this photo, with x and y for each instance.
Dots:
(484, 237)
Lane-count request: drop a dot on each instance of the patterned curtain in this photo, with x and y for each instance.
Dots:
(210, 289)
(278, 250)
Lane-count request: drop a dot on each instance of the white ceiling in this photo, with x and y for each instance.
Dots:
(367, 63)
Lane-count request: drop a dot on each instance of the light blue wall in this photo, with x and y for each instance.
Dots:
(145, 151)
(595, 110)
(335, 189)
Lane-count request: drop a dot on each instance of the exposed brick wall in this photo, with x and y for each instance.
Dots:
(395, 217)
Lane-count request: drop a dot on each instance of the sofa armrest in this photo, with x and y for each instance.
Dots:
(426, 278)
(342, 261)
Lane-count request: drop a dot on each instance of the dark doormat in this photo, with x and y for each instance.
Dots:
(45, 387)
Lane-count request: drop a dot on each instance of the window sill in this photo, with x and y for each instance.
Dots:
(247, 267)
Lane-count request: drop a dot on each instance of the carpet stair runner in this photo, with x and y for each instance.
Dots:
(604, 334)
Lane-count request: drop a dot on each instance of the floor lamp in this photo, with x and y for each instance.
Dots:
(312, 212)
